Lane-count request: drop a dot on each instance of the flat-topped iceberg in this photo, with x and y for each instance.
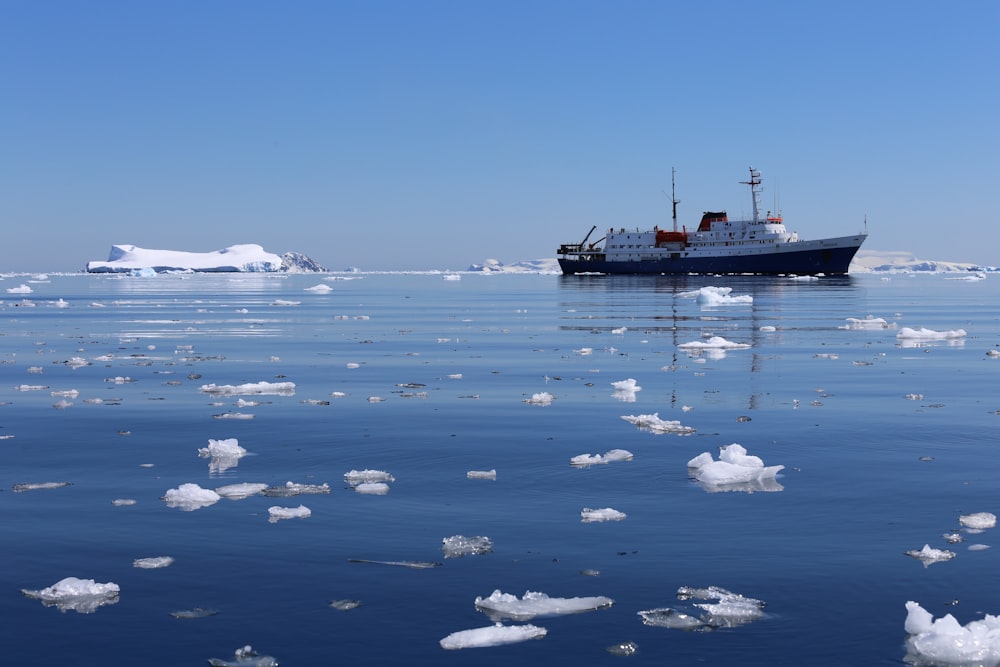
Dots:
(501, 605)
(242, 258)
(493, 635)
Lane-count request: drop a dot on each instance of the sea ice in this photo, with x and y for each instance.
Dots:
(979, 520)
(372, 488)
(245, 657)
(868, 322)
(36, 486)
(153, 563)
(734, 467)
(713, 343)
(83, 596)
(588, 515)
(319, 289)
(345, 605)
(494, 635)
(929, 555)
(908, 337)
(728, 610)
(20, 289)
(277, 513)
(255, 388)
(945, 641)
(716, 296)
(482, 474)
(241, 490)
(501, 606)
(459, 545)
(584, 460)
(294, 489)
(190, 497)
(225, 454)
(656, 425)
(624, 390)
(541, 398)
(358, 477)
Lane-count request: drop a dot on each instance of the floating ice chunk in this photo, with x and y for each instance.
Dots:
(277, 513)
(233, 415)
(624, 390)
(319, 289)
(285, 302)
(482, 474)
(37, 486)
(493, 635)
(68, 393)
(153, 563)
(868, 322)
(459, 545)
(372, 488)
(225, 454)
(979, 520)
(619, 330)
(945, 641)
(929, 555)
(451, 276)
(345, 605)
(190, 497)
(713, 343)
(768, 328)
(734, 467)
(197, 612)
(978, 547)
(588, 515)
(294, 489)
(506, 606)
(357, 477)
(20, 289)
(729, 610)
(716, 296)
(412, 564)
(584, 460)
(353, 364)
(31, 387)
(994, 353)
(656, 425)
(123, 502)
(240, 491)
(584, 351)
(908, 336)
(268, 388)
(76, 362)
(541, 398)
(666, 617)
(83, 596)
(245, 657)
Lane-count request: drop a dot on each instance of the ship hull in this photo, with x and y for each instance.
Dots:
(827, 256)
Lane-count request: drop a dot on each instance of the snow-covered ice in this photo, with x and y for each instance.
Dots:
(624, 390)
(713, 343)
(500, 606)
(224, 454)
(296, 489)
(241, 490)
(493, 635)
(929, 555)
(716, 296)
(541, 398)
(868, 322)
(735, 470)
(725, 610)
(945, 641)
(83, 596)
(656, 425)
(251, 388)
(459, 545)
(248, 257)
(590, 515)
(482, 474)
(277, 513)
(153, 563)
(978, 520)
(190, 497)
(366, 476)
(584, 460)
(245, 657)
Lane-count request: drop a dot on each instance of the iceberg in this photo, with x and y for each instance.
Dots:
(243, 258)
(929, 555)
(716, 296)
(277, 513)
(190, 497)
(493, 635)
(624, 390)
(945, 641)
(586, 460)
(735, 470)
(541, 398)
(506, 606)
(224, 454)
(251, 388)
(83, 596)
(656, 425)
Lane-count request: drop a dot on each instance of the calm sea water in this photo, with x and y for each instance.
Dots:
(884, 445)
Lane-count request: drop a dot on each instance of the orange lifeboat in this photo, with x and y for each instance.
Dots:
(664, 237)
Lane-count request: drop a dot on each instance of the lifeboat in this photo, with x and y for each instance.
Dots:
(664, 237)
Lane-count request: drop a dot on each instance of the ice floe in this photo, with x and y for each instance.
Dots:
(589, 515)
(296, 489)
(345, 605)
(241, 490)
(245, 657)
(727, 610)
(868, 322)
(356, 478)
(251, 388)
(624, 390)
(277, 513)
(493, 635)
(734, 471)
(372, 488)
(482, 474)
(197, 612)
(411, 564)
(190, 497)
(945, 641)
(504, 606)
(36, 486)
(541, 398)
(585, 460)
(83, 596)
(908, 337)
(978, 520)
(716, 296)
(713, 343)
(459, 545)
(929, 555)
(153, 563)
(656, 425)
(224, 454)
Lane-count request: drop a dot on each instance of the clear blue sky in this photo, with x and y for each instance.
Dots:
(412, 134)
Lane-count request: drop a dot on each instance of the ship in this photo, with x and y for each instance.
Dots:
(760, 245)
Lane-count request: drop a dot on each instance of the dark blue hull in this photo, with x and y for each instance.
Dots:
(830, 260)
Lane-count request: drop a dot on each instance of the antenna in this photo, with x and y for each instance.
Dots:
(673, 195)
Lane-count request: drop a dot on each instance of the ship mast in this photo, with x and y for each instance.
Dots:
(754, 184)
(673, 195)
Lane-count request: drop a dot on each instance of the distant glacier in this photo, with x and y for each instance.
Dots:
(247, 258)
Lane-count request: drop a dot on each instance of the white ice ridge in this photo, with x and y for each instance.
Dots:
(655, 424)
(945, 641)
(459, 545)
(190, 497)
(734, 466)
(541, 398)
(80, 595)
(493, 635)
(584, 460)
(929, 334)
(504, 605)
(254, 388)
(713, 343)
(277, 513)
(716, 296)
(247, 257)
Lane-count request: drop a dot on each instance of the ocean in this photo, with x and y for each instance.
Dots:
(876, 393)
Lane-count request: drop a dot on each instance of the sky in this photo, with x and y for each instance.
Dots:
(432, 134)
